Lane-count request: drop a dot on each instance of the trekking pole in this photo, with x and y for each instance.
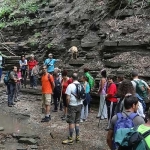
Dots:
(101, 113)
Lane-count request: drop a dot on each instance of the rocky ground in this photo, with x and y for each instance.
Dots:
(51, 134)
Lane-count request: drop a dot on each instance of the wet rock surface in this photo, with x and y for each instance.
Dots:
(49, 136)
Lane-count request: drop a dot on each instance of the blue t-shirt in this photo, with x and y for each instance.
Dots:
(50, 64)
(87, 89)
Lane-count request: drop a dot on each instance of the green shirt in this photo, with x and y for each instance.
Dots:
(142, 129)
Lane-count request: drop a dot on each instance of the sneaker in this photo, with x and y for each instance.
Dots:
(54, 110)
(64, 118)
(68, 141)
(77, 139)
(46, 119)
(81, 120)
(10, 105)
(85, 120)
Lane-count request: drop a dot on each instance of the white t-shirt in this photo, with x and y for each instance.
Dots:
(134, 84)
(1, 60)
(72, 89)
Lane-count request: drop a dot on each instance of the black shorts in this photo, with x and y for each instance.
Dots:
(64, 98)
(74, 114)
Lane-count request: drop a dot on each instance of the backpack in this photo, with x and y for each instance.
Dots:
(57, 88)
(124, 122)
(90, 80)
(141, 89)
(80, 92)
(6, 78)
(131, 139)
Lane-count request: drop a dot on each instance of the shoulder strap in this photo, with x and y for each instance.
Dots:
(132, 115)
(49, 62)
(145, 134)
(119, 115)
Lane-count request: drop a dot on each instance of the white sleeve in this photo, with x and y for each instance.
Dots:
(68, 90)
(145, 84)
(26, 62)
(20, 63)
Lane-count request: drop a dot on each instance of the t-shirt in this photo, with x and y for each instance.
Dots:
(50, 64)
(112, 90)
(1, 59)
(31, 64)
(72, 89)
(46, 83)
(12, 75)
(142, 129)
(134, 84)
(87, 88)
(137, 120)
(24, 63)
(65, 85)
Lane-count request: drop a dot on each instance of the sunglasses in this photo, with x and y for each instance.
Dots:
(43, 68)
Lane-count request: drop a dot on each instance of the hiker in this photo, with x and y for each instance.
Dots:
(141, 88)
(111, 100)
(74, 110)
(118, 121)
(31, 63)
(64, 83)
(34, 74)
(86, 101)
(23, 66)
(74, 52)
(102, 113)
(91, 83)
(2, 56)
(48, 85)
(50, 62)
(57, 92)
(12, 85)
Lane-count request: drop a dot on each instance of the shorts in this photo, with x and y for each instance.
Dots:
(46, 99)
(74, 113)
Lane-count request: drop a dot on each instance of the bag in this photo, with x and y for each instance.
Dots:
(57, 88)
(141, 89)
(6, 78)
(131, 139)
(80, 92)
(90, 80)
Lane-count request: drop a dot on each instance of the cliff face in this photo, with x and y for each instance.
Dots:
(109, 34)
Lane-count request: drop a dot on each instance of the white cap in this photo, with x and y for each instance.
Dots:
(31, 55)
(50, 54)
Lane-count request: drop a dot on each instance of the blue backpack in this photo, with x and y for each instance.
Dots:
(6, 78)
(124, 122)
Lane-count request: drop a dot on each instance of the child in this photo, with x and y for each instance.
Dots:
(84, 111)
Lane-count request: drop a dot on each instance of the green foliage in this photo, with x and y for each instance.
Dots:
(36, 35)
(2, 25)
(5, 11)
(49, 45)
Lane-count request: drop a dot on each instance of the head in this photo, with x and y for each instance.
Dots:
(23, 57)
(44, 69)
(64, 74)
(103, 73)
(84, 78)
(14, 68)
(55, 75)
(125, 87)
(134, 74)
(120, 78)
(50, 55)
(75, 76)
(86, 70)
(131, 103)
(32, 57)
(110, 79)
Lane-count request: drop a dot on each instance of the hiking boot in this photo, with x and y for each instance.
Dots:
(46, 119)
(77, 139)
(64, 118)
(10, 105)
(69, 141)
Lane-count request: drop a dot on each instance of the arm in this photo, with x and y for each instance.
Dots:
(109, 138)
(111, 91)
(68, 99)
(102, 83)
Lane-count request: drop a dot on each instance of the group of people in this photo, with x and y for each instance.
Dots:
(128, 99)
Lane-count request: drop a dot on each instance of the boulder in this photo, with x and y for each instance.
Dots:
(25, 135)
(113, 64)
(1, 129)
(124, 13)
(29, 141)
(110, 43)
(128, 43)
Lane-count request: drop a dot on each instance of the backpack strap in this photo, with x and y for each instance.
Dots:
(132, 115)
(145, 134)
(119, 115)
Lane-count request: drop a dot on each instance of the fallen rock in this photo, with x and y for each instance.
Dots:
(29, 141)
(34, 147)
(25, 135)
(21, 148)
(1, 129)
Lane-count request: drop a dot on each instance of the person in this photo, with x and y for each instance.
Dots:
(84, 111)
(131, 106)
(111, 100)
(23, 65)
(50, 63)
(102, 91)
(143, 95)
(31, 63)
(145, 127)
(64, 83)
(48, 85)
(74, 110)
(12, 85)
(57, 92)
(34, 74)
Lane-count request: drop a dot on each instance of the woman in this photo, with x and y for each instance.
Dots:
(102, 113)
(65, 82)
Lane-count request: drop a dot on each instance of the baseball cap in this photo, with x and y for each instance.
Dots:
(50, 54)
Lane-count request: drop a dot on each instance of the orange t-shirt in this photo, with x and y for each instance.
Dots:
(46, 84)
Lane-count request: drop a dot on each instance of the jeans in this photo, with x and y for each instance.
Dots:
(24, 77)
(11, 91)
(33, 80)
(56, 97)
(16, 92)
(84, 112)
(0, 73)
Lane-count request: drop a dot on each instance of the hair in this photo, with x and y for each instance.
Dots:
(44, 66)
(55, 74)
(124, 88)
(86, 70)
(110, 77)
(22, 56)
(148, 113)
(75, 76)
(103, 73)
(84, 77)
(129, 101)
(120, 77)
(134, 74)
(13, 67)
(64, 73)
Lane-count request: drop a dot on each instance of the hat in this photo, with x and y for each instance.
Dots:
(50, 54)
(31, 55)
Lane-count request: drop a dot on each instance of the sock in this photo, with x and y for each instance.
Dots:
(47, 115)
(77, 130)
(71, 132)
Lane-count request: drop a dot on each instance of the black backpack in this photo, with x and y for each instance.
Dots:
(80, 92)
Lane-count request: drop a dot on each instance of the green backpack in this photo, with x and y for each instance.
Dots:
(131, 139)
(90, 80)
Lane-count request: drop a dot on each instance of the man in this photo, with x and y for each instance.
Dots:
(47, 90)
(50, 62)
(31, 63)
(12, 85)
(131, 106)
(111, 100)
(74, 110)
